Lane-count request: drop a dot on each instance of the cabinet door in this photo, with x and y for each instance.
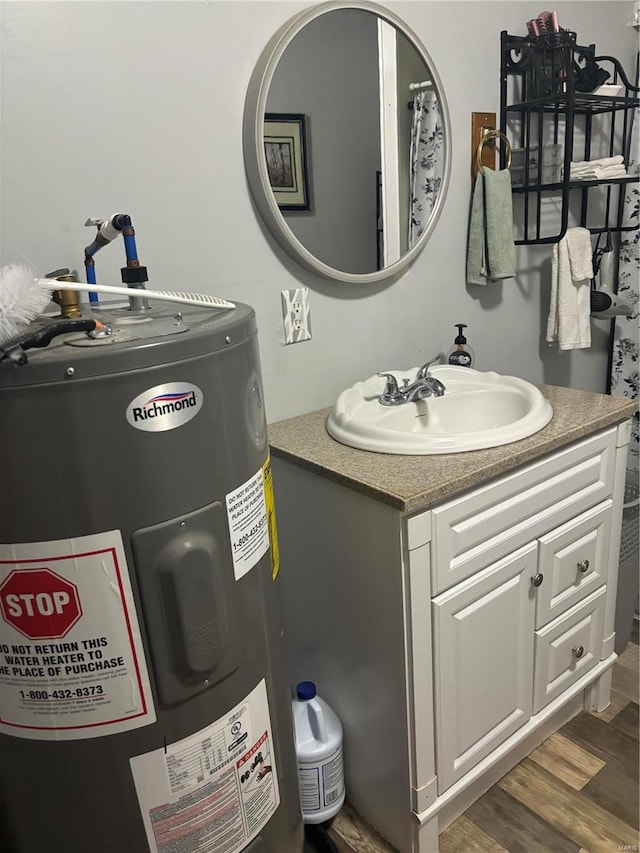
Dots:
(483, 653)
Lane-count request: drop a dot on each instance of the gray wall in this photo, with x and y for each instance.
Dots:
(137, 107)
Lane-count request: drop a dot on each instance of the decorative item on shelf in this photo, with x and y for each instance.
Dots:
(590, 76)
(550, 54)
(554, 41)
(547, 172)
(551, 59)
(544, 25)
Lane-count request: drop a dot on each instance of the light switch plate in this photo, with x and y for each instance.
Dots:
(296, 316)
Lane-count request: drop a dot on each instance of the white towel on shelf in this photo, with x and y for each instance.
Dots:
(600, 163)
(569, 320)
(613, 171)
(598, 173)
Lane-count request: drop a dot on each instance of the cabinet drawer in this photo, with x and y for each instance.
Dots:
(478, 528)
(573, 562)
(567, 648)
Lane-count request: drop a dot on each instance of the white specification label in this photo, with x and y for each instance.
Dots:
(213, 791)
(321, 782)
(71, 658)
(248, 524)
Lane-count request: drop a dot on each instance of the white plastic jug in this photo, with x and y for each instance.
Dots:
(318, 735)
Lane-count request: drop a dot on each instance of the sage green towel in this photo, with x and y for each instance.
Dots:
(491, 252)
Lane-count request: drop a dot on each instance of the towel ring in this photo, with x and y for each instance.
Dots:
(488, 137)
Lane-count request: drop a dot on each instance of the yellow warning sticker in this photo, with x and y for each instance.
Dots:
(271, 517)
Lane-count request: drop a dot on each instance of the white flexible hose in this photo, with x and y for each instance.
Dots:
(203, 300)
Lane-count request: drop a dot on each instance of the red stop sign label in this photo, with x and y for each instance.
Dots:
(39, 604)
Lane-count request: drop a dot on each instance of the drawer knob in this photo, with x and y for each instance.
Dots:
(583, 566)
(536, 580)
(578, 651)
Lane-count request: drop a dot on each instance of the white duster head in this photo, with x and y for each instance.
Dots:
(22, 299)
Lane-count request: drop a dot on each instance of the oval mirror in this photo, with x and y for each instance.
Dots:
(346, 141)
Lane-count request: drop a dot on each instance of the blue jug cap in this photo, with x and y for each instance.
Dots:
(306, 690)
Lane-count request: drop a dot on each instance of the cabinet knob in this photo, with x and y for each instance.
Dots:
(583, 566)
(578, 651)
(536, 580)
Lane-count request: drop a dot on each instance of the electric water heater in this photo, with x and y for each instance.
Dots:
(143, 698)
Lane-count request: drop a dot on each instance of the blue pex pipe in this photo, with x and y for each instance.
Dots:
(90, 268)
(130, 247)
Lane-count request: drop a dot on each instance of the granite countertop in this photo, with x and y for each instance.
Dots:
(414, 483)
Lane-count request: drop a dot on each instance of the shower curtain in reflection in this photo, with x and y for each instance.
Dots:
(624, 362)
(427, 139)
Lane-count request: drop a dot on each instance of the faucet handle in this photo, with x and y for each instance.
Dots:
(391, 385)
(424, 370)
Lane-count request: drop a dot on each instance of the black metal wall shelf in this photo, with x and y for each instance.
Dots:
(582, 104)
(574, 185)
(550, 124)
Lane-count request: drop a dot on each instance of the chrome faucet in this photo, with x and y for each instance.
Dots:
(422, 387)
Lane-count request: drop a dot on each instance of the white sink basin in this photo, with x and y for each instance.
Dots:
(478, 410)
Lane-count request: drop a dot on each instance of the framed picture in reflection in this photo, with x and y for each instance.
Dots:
(285, 149)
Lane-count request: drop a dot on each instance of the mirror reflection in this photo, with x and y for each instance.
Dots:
(354, 140)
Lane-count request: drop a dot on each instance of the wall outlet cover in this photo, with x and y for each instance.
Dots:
(296, 316)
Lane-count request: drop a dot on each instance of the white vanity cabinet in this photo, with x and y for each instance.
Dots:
(498, 655)
(451, 641)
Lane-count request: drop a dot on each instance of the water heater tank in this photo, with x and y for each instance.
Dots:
(143, 698)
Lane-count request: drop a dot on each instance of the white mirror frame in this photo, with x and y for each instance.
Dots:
(253, 143)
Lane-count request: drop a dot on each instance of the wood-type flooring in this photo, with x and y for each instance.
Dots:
(576, 793)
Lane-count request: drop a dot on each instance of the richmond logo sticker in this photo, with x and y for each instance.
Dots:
(165, 406)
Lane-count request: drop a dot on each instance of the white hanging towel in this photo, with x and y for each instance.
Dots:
(569, 320)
